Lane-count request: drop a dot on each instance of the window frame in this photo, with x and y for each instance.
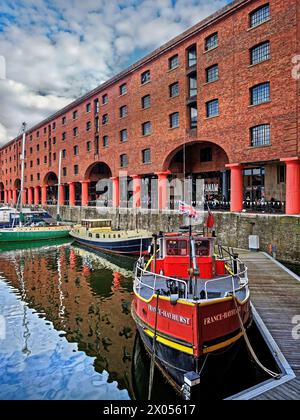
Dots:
(144, 154)
(256, 11)
(148, 125)
(122, 163)
(171, 59)
(124, 85)
(171, 86)
(252, 94)
(121, 135)
(146, 73)
(104, 119)
(89, 126)
(262, 139)
(211, 46)
(257, 46)
(105, 99)
(192, 62)
(207, 73)
(171, 116)
(123, 111)
(76, 150)
(208, 104)
(105, 141)
(143, 101)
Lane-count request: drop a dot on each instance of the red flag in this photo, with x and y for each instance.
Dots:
(210, 223)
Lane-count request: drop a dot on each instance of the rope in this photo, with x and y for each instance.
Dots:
(153, 357)
(253, 354)
(150, 260)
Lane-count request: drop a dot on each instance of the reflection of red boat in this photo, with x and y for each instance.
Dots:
(191, 300)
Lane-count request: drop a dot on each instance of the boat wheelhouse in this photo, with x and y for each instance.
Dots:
(99, 234)
(190, 301)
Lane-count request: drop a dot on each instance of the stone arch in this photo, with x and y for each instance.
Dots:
(51, 179)
(96, 171)
(51, 182)
(191, 152)
(17, 184)
(100, 191)
(201, 161)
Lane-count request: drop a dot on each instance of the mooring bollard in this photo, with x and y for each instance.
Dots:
(191, 385)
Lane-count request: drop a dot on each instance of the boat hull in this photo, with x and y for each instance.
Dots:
(173, 363)
(125, 247)
(189, 333)
(32, 235)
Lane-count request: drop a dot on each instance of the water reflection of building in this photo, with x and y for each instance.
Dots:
(90, 305)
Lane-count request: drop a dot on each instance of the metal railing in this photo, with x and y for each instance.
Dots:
(270, 207)
(180, 286)
(237, 270)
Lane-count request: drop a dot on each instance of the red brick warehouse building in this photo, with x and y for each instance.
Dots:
(221, 94)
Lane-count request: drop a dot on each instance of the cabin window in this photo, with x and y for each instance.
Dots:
(98, 236)
(202, 248)
(177, 248)
(90, 235)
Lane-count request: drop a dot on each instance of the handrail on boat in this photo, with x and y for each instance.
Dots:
(242, 275)
(156, 276)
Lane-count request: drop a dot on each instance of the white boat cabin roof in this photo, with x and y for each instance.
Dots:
(97, 222)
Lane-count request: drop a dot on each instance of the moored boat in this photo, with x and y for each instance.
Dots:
(10, 216)
(23, 225)
(190, 304)
(33, 233)
(99, 234)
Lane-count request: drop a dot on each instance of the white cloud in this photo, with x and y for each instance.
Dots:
(56, 51)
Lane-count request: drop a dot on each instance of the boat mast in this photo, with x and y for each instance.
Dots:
(59, 185)
(22, 168)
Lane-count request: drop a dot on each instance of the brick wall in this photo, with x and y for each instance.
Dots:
(230, 130)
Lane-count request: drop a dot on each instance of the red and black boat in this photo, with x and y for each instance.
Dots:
(190, 303)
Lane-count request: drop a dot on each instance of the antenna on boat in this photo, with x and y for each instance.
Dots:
(59, 185)
(22, 170)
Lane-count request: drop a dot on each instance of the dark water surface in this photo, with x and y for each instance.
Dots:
(295, 268)
(69, 333)
(66, 330)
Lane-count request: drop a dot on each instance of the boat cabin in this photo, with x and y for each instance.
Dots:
(173, 257)
(97, 224)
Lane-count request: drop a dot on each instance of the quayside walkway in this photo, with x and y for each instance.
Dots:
(275, 295)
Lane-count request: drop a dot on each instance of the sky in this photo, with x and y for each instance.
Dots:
(54, 51)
